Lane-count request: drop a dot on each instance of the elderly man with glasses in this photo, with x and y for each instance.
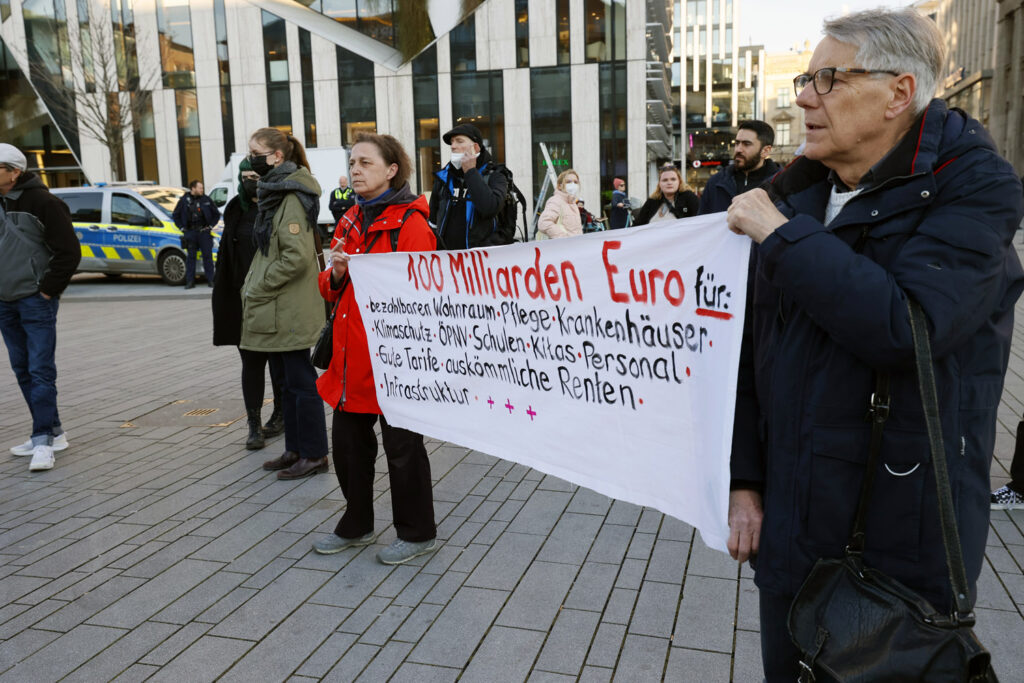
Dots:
(896, 197)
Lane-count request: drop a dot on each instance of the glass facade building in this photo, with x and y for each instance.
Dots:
(200, 75)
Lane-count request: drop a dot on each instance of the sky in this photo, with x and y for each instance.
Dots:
(779, 24)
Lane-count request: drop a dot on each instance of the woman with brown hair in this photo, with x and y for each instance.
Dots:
(387, 217)
(281, 312)
(671, 199)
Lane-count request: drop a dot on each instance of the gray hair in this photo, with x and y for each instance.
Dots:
(895, 40)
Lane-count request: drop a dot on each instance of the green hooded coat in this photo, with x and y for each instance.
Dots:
(281, 305)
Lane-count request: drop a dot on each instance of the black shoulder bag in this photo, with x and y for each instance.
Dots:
(859, 625)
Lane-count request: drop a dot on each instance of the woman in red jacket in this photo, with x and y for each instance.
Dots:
(379, 170)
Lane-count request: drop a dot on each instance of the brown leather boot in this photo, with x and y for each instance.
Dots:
(304, 467)
(287, 459)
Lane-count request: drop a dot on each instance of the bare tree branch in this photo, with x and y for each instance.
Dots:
(102, 112)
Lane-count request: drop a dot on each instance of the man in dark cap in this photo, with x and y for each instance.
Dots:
(469, 193)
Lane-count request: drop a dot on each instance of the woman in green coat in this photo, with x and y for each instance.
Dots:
(282, 312)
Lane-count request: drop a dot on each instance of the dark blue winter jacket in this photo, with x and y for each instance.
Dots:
(729, 182)
(827, 311)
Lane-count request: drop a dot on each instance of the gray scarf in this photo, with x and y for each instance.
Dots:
(270, 192)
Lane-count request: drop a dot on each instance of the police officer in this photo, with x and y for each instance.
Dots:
(195, 215)
(342, 199)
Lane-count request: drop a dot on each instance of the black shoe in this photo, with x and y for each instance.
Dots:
(275, 425)
(287, 459)
(254, 442)
(190, 285)
(209, 283)
(304, 467)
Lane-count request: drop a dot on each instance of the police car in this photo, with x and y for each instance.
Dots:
(128, 229)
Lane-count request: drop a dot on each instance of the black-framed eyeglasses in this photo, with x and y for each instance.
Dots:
(825, 78)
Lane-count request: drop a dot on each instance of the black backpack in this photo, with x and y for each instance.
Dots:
(507, 215)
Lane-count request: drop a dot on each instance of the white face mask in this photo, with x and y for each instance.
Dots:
(572, 188)
(457, 158)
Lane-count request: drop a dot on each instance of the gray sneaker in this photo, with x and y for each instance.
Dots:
(402, 551)
(335, 544)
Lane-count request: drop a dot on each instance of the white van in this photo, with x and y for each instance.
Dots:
(327, 164)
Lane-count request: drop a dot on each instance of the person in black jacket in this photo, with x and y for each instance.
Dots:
(38, 231)
(750, 169)
(469, 193)
(671, 199)
(195, 215)
(342, 199)
(237, 249)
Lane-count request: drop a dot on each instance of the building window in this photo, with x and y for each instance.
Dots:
(782, 133)
(145, 139)
(189, 150)
(479, 99)
(85, 39)
(522, 33)
(308, 101)
(33, 131)
(783, 97)
(605, 30)
(357, 104)
(175, 25)
(613, 126)
(226, 112)
(425, 111)
(551, 107)
(562, 17)
(123, 21)
(279, 98)
(462, 45)
(50, 68)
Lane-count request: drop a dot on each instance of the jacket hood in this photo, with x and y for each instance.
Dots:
(26, 181)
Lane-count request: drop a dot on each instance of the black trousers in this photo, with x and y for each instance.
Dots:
(412, 499)
(1017, 464)
(780, 657)
(254, 371)
(305, 429)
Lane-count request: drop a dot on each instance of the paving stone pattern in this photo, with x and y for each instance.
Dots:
(167, 553)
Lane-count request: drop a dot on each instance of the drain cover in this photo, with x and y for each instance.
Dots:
(192, 413)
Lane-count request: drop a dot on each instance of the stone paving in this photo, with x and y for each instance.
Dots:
(166, 553)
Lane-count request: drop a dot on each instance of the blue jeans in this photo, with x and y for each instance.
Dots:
(305, 429)
(198, 240)
(29, 328)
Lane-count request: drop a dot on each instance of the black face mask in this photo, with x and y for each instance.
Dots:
(249, 185)
(259, 164)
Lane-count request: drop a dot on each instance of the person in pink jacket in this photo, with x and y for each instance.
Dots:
(561, 216)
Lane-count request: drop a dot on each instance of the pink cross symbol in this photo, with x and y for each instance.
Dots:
(508, 404)
(530, 411)
(491, 401)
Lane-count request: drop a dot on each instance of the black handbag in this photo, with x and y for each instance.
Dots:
(857, 624)
(324, 348)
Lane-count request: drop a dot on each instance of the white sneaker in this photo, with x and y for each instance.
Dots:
(42, 458)
(60, 442)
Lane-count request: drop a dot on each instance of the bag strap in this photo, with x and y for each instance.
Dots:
(930, 403)
(878, 413)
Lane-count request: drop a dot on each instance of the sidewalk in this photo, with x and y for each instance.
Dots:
(158, 549)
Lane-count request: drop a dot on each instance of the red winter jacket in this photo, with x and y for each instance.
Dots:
(348, 382)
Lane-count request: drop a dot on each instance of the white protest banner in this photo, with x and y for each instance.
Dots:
(608, 360)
